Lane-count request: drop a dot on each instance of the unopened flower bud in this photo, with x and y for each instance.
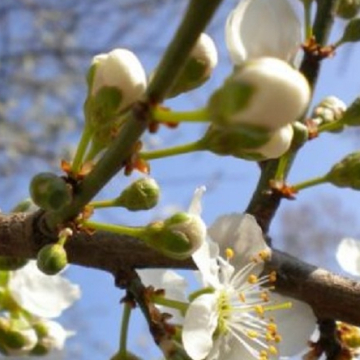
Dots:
(10, 263)
(347, 9)
(16, 339)
(278, 144)
(266, 93)
(329, 110)
(51, 259)
(352, 31)
(143, 194)
(346, 173)
(178, 236)
(116, 80)
(198, 68)
(49, 191)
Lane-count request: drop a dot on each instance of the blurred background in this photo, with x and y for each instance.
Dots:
(46, 47)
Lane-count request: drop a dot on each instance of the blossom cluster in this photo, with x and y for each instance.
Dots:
(29, 300)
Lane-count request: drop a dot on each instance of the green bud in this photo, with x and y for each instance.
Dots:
(352, 31)
(198, 68)
(143, 194)
(347, 9)
(346, 173)
(178, 236)
(49, 191)
(127, 356)
(351, 116)
(10, 263)
(26, 205)
(301, 135)
(51, 259)
(237, 141)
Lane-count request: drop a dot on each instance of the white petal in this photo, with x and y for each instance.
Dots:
(348, 255)
(195, 205)
(295, 325)
(199, 326)
(42, 295)
(257, 28)
(56, 335)
(241, 233)
(205, 259)
(173, 284)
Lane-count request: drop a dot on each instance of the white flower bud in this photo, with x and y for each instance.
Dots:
(277, 145)
(266, 93)
(328, 110)
(257, 28)
(202, 60)
(119, 69)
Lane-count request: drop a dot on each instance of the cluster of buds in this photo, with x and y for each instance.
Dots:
(347, 9)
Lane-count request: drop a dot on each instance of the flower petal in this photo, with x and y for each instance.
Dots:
(241, 233)
(295, 325)
(348, 255)
(42, 295)
(278, 36)
(199, 326)
(195, 205)
(173, 284)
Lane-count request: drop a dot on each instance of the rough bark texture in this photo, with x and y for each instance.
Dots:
(331, 296)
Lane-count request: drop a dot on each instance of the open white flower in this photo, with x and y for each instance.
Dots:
(348, 255)
(257, 28)
(42, 295)
(230, 320)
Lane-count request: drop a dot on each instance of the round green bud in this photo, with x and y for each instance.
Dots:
(51, 259)
(346, 173)
(178, 236)
(18, 341)
(352, 31)
(347, 9)
(10, 263)
(143, 194)
(49, 191)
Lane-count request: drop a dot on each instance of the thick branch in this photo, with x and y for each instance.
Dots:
(331, 296)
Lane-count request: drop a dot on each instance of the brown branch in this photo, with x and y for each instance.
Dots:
(331, 296)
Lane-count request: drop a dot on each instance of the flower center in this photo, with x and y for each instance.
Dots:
(243, 306)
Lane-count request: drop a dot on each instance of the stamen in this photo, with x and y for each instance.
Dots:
(252, 279)
(252, 334)
(229, 253)
(272, 276)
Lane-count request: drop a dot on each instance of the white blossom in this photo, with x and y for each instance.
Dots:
(257, 28)
(348, 255)
(230, 321)
(42, 295)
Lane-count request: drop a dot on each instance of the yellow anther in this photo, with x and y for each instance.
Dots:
(264, 296)
(259, 309)
(263, 355)
(252, 279)
(229, 253)
(265, 255)
(273, 350)
(272, 276)
(269, 337)
(252, 334)
(242, 297)
(277, 338)
(272, 327)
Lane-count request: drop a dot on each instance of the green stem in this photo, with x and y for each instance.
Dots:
(136, 232)
(99, 204)
(197, 17)
(165, 115)
(310, 183)
(81, 149)
(174, 304)
(307, 19)
(282, 166)
(124, 330)
(331, 126)
(176, 150)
